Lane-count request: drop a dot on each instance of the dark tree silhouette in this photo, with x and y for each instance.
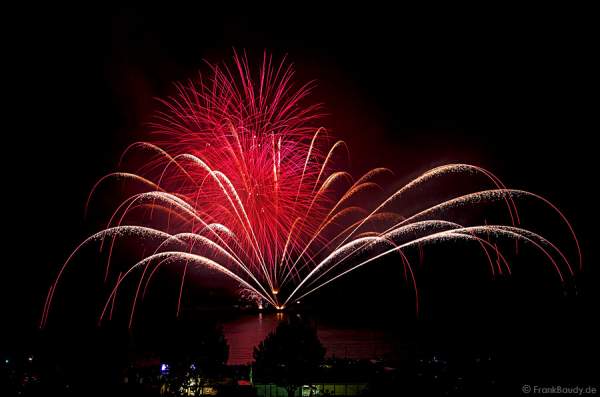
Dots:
(192, 348)
(290, 355)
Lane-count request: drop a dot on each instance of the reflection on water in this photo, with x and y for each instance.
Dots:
(246, 331)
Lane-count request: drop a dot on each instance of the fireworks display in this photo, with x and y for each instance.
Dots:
(241, 179)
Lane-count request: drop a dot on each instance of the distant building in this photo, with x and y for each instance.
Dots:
(335, 378)
(315, 389)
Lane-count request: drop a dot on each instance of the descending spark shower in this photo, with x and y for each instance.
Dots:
(240, 179)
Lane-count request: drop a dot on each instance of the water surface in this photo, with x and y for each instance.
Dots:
(246, 331)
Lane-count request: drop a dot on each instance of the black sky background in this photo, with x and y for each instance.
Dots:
(514, 91)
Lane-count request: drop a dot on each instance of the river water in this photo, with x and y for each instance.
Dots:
(246, 331)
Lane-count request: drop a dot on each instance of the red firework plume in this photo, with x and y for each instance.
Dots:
(255, 134)
(248, 185)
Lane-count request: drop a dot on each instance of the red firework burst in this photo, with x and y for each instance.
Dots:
(255, 134)
(248, 185)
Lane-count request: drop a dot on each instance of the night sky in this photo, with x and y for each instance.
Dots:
(513, 91)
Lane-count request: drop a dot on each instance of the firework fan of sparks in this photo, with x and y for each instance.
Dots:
(249, 186)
